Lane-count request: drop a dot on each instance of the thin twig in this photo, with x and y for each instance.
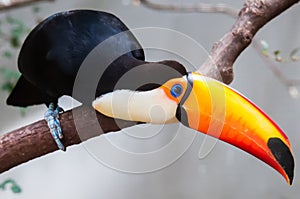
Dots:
(8, 4)
(191, 7)
(274, 67)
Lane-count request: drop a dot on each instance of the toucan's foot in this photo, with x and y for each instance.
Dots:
(52, 118)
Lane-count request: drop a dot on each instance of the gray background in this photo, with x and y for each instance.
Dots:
(225, 173)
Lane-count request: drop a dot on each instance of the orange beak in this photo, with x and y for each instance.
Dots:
(213, 108)
(210, 107)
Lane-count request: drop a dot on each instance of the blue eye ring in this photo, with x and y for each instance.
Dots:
(176, 90)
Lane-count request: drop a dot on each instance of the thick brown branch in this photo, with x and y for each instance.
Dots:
(34, 140)
(8, 4)
(254, 15)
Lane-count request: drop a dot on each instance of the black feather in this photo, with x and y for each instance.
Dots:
(25, 94)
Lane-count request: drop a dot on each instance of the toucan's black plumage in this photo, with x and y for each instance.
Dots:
(55, 49)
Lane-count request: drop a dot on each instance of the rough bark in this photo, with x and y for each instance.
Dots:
(34, 140)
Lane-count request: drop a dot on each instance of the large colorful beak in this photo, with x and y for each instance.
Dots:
(213, 108)
(210, 107)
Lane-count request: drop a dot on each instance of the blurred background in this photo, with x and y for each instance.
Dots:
(226, 172)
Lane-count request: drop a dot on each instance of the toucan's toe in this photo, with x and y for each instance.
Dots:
(52, 118)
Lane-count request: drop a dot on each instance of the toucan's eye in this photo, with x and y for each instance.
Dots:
(176, 90)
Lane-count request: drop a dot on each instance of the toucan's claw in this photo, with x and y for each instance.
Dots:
(60, 109)
(52, 118)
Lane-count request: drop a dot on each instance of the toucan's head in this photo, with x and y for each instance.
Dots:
(201, 103)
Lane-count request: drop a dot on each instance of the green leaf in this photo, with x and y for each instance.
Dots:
(23, 111)
(9, 75)
(10, 78)
(7, 86)
(9, 19)
(2, 70)
(14, 187)
(293, 54)
(276, 52)
(277, 57)
(36, 9)
(7, 54)
(15, 41)
(2, 186)
(17, 30)
(265, 47)
(14, 21)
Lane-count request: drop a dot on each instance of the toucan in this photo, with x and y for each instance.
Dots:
(52, 54)
(54, 50)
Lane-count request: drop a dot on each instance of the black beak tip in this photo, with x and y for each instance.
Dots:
(283, 155)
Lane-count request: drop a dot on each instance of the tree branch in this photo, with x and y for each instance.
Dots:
(8, 4)
(35, 140)
(254, 15)
(192, 7)
(274, 67)
(215, 8)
